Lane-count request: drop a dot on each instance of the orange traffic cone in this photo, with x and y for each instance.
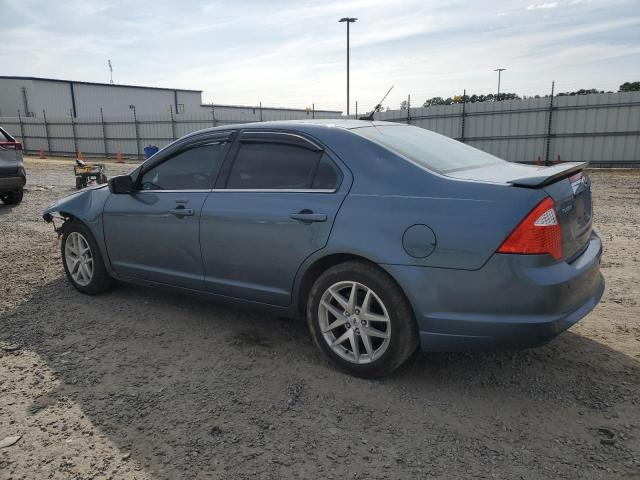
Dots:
(539, 161)
(80, 155)
(119, 157)
(42, 155)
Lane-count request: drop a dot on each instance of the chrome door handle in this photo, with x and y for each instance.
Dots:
(182, 212)
(307, 216)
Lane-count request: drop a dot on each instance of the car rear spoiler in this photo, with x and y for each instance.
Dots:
(544, 176)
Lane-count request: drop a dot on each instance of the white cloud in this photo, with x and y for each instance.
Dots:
(542, 6)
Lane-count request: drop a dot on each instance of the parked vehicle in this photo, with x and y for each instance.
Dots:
(12, 173)
(385, 236)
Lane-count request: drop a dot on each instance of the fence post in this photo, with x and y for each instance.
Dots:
(464, 114)
(173, 123)
(73, 129)
(408, 109)
(213, 116)
(313, 110)
(46, 131)
(260, 111)
(549, 135)
(23, 138)
(104, 133)
(135, 123)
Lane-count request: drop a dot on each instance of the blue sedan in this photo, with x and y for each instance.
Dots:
(386, 237)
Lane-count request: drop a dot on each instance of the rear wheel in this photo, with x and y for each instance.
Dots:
(361, 320)
(12, 198)
(78, 183)
(82, 260)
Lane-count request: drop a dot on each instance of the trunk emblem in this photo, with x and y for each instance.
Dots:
(576, 184)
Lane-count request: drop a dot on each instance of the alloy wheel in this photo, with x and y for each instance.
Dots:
(78, 258)
(354, 322)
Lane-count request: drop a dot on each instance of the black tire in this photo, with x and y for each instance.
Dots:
(403, 339)
(78, 183)
(12, 198)
(101, 281)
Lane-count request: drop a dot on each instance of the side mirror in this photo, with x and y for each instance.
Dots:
(121, 184)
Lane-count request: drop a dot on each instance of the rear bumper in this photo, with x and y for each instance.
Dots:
(10, 183)
(514, 301)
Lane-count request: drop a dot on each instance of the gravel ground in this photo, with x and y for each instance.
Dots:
(139, 384)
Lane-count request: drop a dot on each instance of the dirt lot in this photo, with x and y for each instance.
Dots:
(139, 384)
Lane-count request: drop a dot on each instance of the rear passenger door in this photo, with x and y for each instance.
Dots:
(274, 206)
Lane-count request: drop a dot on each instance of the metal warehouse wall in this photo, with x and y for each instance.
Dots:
(603, 129)
(55, 98)
(49, 96)
(253, 114)
(115, 100)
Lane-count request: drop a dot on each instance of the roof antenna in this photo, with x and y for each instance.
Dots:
(377, 108)
(110, 70)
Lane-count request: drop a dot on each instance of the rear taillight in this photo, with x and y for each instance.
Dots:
(11, 145)
(538, 233)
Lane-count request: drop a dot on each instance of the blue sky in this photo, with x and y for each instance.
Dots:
(292, 53)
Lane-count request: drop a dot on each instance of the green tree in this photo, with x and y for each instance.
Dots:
(630, 87)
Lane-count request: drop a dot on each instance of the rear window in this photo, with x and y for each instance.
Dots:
(429, 150)
(5, 137)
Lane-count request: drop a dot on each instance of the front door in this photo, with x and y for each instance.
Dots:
(154, 233)
(275, 209)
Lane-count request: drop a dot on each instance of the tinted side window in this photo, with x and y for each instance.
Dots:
(192, 169)
(328, 176)
(273, 166)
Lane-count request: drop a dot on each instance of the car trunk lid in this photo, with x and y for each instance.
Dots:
(567, 184)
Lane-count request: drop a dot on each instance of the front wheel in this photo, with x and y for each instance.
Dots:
(12, 198)
(361, 320)
(82, 260)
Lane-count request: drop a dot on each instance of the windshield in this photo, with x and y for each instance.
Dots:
(429, 150)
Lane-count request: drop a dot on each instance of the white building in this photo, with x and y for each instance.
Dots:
(59, 98)
(257, 113)
(31, 96)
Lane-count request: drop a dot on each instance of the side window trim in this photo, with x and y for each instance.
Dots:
(280, 138)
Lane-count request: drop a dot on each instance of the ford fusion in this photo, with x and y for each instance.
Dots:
(386, 237)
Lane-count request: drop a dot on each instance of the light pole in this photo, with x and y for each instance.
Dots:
(499, 70)
(348, 20)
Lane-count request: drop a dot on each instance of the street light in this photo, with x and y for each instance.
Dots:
(348, 20)
(499, 70)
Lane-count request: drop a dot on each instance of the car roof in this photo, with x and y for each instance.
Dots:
(307, 125)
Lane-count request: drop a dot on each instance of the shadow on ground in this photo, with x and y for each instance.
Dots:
(193, 389)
